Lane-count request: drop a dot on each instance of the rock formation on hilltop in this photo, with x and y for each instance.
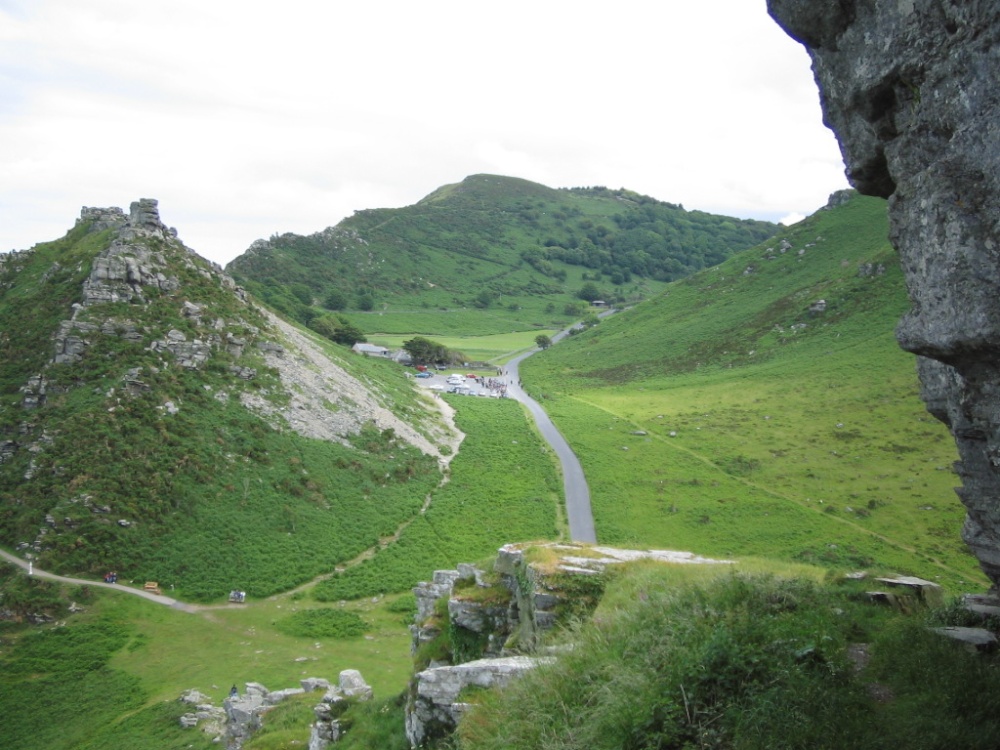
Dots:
(910, 89)
(144, 392)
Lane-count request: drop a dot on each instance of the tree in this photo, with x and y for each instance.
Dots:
(543, 341)
(425, 352)
(484, 299)
(589, 292)
(335, 300)
(337, 328)
(302, 292)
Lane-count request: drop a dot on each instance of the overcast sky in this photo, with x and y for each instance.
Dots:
(247, 118)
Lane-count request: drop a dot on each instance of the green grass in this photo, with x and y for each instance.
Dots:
(218, 499)
(286, 725)
(743, 662)
(114, 673)
(763, 437)
(502, 478)
(494, 348)
(322, 623)
(502, 486)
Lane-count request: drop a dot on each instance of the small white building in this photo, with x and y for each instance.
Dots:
(371, 350)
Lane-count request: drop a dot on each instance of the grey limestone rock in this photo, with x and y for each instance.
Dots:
(310, 684)
(927, 593)
(911, 90)
(353, 685)
(101, 218)
(435, 707)
(975, 639)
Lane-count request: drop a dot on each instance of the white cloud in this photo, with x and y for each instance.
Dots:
(248, 118)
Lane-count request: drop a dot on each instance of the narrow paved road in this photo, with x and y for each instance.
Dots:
(581, 519)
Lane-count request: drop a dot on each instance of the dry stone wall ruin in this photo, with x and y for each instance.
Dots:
(910, 87)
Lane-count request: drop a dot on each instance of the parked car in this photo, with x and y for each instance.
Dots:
(425, 375)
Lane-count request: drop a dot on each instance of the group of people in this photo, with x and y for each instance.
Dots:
(496, 386)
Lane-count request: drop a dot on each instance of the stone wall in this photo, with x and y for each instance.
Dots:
(910, 89)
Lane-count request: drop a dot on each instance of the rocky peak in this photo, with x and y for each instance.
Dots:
(909, 88)
(101, 218)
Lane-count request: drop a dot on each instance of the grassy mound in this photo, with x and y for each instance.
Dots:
(746, 662)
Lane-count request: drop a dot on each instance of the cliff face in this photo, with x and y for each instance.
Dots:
(910, 89)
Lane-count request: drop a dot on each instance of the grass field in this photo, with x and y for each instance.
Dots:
(496, 348)
(727, 418)
(128, 698)
(503, 485)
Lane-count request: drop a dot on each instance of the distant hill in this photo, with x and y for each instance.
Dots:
(155, 420)
(492, 241)
(818, 278)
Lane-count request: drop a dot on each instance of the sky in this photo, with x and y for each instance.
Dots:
(247, 119)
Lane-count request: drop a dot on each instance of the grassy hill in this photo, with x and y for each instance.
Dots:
(150, 423)
(737, 415)
(517, 250)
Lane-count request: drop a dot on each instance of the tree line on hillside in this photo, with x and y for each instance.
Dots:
(651, 239)
(470, 240)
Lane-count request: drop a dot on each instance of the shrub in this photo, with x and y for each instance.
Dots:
(322, 623)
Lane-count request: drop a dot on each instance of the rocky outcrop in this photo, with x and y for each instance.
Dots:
(121, 272)
(100, 219)
(437, 704)
(350, 687)
(206, 716)
(495, 621)
(910, 89)
(243, 713)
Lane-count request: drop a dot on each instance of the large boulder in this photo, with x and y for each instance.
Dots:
(910, 89)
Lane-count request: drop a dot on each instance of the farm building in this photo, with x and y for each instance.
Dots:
(371, 350)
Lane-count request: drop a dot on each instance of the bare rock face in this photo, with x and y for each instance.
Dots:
(910, 87)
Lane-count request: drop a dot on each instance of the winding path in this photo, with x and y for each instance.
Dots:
(581, 518)
(158, 598)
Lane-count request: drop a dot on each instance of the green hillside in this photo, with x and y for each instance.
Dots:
(515, 249)
(736, 415)
(121, 449)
